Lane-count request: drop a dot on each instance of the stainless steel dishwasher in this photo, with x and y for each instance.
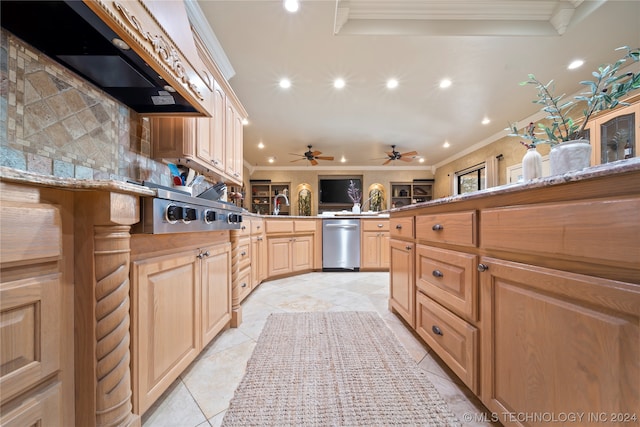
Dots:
(340, 244)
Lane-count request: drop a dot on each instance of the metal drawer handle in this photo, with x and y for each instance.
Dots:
(436, 330)
(437, 273)
(243, 253)
(379, 225)
(437, 227)
(482, 267)
(244, 285)
(408, 247)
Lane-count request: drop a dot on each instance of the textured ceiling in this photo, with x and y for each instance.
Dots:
(484, 47)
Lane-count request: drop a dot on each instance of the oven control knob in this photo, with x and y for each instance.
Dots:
(209, 216)
(234, 218)
(189, 214)
(173, 213)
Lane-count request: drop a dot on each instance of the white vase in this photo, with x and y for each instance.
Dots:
(356, 208)
(531, 164)
(570, 156)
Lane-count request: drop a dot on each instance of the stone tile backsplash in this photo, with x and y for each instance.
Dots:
(55, 123)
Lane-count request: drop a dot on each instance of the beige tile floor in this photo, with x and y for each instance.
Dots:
(201, 395)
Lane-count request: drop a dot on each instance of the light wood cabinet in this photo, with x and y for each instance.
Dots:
(259, 265)
(402, 291)
(166, 330)
(233, 142)
(558, 342)
(179, 303)
(613, 133)
(32, 327)
(374, 244)
(532, 295)
(291, 245)
(216, 290)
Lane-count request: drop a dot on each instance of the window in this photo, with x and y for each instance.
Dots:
(471, 179)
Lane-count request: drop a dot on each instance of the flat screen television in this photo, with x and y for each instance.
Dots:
(334, 190)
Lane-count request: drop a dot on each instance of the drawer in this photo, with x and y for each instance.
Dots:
(449, 277)
(453, 339)
(245, 228)
(243, 254)
(257, 226)
(279, 226)
(243, 285)
(302, 225)
(600, 230)
(458, 228)
(402, 227)
(375, 225)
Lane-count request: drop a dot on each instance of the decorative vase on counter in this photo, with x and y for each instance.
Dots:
(356, 208)
(570, 156)
(531, 164)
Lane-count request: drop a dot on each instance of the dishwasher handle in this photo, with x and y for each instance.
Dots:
(341, 226)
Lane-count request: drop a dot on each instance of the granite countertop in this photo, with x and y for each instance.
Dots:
(613, 168)
(110, 185)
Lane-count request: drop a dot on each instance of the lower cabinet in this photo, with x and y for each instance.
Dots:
(402, 290)
(289, 254)
(374, 244)
(179, 303)
(557, 342)
(33, 312)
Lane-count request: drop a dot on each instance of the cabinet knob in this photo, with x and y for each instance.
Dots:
(436, 330)
(437, 273)
(244, 227)
(437, 227)
(379, 225)
(482, 267)
(243, 253)
(244, 285)
(408, 247)
(398, 227)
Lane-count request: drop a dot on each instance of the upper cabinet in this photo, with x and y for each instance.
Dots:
(213, 146)
(614, 136)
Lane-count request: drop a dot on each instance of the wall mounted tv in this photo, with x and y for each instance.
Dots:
(333, 190)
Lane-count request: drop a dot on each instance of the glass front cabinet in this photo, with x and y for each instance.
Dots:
(614, 136)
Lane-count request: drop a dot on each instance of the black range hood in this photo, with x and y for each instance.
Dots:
(73, 35)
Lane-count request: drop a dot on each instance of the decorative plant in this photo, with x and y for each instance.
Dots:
(354, 192)
(377, 199)
(304, 203)
(603, 93)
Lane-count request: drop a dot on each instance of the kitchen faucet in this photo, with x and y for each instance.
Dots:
(276, 206)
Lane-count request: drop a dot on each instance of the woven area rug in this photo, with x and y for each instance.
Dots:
(333, 369)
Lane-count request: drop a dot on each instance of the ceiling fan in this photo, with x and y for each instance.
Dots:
(312, 156)
(396, 155)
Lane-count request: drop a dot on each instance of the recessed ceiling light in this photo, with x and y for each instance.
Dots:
(338, 83)
(421, 160)
(343, 159)
(285, 83)
(446, 144)
(291, 5)
(392, 83)
(486, 121)
(576, 64)
(260, 145)
(445, 83)
(245, 122)
(271, 159)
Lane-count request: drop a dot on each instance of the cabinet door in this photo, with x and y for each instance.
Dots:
(30, 295)
(558, 342)
(385, 250)
(216, 290)
(302, 253)
(402, 291)
(166, 332)
(279, 255)
(217, 131)
(370, 250)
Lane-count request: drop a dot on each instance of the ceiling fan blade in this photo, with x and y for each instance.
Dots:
(387, 162)
(390, 153)
(313, 162)
(324, 157)
(409, 154)
(316, 153)
(406, 159)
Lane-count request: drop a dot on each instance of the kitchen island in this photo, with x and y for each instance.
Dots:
(530, 292)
